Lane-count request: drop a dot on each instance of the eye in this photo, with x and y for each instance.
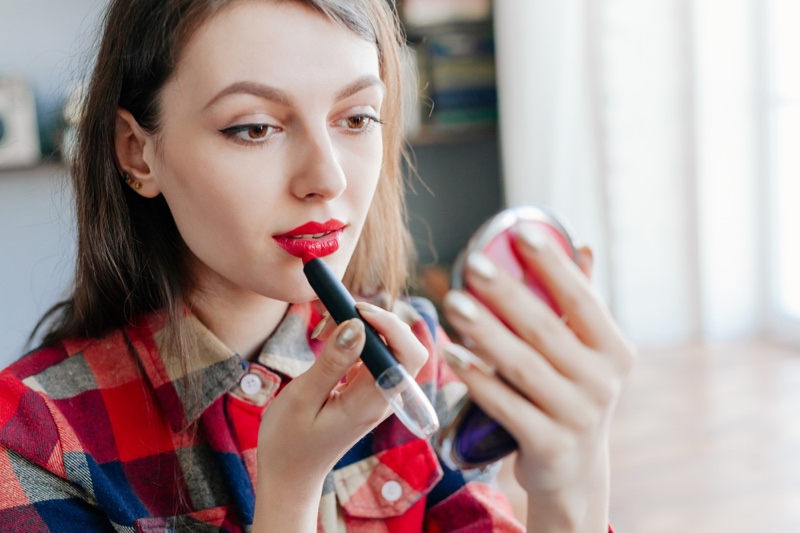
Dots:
(359, 123)
(250, 133)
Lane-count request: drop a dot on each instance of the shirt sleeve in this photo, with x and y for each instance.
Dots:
(35, 494)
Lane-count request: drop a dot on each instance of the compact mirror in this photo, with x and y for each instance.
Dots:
(469, 438)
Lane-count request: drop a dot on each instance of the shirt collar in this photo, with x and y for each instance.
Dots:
(185, 389)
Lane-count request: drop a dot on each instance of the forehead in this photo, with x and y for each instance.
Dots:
(275, 43)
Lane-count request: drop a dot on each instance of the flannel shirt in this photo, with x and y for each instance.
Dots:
(100, 435)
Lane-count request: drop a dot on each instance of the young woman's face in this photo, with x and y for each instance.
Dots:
(269, 124)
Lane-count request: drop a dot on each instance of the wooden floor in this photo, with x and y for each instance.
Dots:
(706, 439)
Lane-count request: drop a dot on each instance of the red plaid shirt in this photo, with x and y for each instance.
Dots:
(100, 434)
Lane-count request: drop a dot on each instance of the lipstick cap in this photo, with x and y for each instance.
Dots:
(408, 401)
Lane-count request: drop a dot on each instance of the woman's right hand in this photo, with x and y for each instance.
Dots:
(317, 417)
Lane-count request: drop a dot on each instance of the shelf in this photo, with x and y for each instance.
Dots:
(415, 34)
(47, 166)
(431, 137)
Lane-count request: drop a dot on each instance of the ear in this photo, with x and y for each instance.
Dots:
(134, 149)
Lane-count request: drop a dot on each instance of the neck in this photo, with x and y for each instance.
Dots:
(243, 323)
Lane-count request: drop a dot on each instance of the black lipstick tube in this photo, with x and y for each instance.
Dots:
(342, 307)
(396, 385)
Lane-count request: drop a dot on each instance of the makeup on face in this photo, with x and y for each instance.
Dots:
(396, 385)
(312, 239)
(470, 438)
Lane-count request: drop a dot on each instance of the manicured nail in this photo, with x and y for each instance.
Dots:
(533, 237)
(320, 326)
(462, 305)
(366, 307)
(482, 266)
(459, 357)
(350, 335)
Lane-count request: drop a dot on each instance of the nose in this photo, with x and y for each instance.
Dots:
(318, 173)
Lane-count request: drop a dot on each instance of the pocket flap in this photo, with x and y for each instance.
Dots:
(389, 482)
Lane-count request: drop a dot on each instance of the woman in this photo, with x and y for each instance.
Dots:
(181, 386)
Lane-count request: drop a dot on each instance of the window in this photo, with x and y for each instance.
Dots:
(781, 112)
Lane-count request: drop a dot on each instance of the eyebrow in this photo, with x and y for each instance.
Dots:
(273, 94)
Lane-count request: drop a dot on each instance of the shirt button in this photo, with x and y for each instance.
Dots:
(250, 384)
(391, 491)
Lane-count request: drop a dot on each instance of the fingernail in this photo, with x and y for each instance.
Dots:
(459, 357)
(367, 307)
(533, 237)
(320, 326)
(462, 305)
(350, 335)
(482, 266)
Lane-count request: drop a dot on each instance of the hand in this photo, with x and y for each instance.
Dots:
(316, 418)
(557, 380)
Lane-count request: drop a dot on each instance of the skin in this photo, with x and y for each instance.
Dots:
(313, 153)
(560, 381)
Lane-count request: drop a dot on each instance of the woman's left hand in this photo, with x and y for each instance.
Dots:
(557, 380)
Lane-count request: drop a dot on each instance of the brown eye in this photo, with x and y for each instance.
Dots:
(357, 122)
(250, 133)
(258, 131)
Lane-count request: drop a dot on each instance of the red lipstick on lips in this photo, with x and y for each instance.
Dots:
(312, 239)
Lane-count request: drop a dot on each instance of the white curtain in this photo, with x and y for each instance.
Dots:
(636, 121)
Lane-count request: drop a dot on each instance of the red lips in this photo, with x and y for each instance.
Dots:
(312, 239)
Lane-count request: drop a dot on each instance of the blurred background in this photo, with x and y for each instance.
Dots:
(664, 131)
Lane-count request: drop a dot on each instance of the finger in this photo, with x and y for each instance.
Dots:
(586, 314)
(339, 354)
(519, 364)
(528, 316)
(530, 426)
(324, 328)
(401, 340)
(585, 261)
(361, 400)
(351, 374)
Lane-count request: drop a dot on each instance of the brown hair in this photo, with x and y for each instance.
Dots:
(131, 258)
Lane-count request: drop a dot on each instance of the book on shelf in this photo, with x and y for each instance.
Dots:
(423, 13)
(457, 73)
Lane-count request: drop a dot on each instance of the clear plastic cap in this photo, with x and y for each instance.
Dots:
(409, 403)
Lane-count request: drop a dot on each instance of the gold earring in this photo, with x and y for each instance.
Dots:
(135, 184)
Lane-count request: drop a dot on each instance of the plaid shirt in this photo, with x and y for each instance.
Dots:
(101, 434)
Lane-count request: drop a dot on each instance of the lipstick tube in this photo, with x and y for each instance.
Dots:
(394, 382)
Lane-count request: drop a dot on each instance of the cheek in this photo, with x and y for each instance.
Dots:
(365, 172)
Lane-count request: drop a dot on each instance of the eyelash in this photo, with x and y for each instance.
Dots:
(234, 131)
(373, 120)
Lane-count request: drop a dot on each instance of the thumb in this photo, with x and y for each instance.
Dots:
(340, 353)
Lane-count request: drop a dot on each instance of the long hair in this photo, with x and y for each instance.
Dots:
(131, 258)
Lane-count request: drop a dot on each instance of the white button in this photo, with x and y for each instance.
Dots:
(250, 384)
(392, 490)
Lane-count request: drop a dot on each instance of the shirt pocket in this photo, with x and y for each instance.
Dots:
(389, 482)
(206, 521)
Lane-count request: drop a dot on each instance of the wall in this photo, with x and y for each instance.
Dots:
(36, 251)
(46, 42)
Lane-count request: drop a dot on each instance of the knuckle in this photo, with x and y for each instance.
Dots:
(335, 362)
